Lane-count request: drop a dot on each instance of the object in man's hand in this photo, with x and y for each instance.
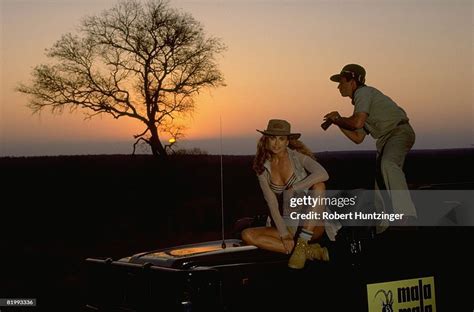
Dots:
(325, 125)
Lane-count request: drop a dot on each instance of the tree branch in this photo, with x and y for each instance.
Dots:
(143, 61)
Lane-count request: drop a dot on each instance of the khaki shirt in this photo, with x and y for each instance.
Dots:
(383, 113)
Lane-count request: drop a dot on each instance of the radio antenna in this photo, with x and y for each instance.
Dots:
(222, 188)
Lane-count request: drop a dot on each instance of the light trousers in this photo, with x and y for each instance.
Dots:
(392, 194)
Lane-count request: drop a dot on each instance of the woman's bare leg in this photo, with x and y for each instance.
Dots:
(266, 238)
(317, 226)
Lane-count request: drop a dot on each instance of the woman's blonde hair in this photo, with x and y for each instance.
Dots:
(263, 153)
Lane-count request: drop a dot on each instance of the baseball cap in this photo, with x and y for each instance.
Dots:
(352, 70)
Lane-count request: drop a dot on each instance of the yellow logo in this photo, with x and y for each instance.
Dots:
(412, 295)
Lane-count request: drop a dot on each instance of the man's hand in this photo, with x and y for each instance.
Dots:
(332, 116)
(329, 119)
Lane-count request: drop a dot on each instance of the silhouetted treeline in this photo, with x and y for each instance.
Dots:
(115, 195)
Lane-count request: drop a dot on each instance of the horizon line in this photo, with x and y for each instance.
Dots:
(238, 155)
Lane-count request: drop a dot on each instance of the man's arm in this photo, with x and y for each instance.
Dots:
(356, 121)
(350, 125)
(355, 136)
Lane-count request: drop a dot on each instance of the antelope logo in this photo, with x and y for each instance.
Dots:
(388, 302)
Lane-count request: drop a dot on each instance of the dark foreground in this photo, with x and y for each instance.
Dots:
(255, 279)
(58, 211)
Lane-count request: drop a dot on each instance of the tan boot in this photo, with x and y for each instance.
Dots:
(298, 257)
(316, 252)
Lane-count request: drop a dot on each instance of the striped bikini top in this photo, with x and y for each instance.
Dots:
(278, 189)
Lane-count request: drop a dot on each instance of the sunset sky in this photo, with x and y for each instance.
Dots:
(278, 62)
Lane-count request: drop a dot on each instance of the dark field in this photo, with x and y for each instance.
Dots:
(57, 211)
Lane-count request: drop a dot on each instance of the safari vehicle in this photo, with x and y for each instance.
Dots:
(227, 275)
(236, 277)
(199, 277)
(207, 277)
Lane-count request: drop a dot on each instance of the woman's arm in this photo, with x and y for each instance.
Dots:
(272, 203)
(316, 175)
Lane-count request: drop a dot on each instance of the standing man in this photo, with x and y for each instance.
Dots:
(378, 115)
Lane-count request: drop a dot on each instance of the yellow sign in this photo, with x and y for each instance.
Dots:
(412, 295)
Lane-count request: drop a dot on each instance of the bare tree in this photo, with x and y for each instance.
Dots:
(143, 61)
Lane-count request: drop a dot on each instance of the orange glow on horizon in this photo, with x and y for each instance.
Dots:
(277, 65)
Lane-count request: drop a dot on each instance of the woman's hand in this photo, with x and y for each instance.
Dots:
(288, 243)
